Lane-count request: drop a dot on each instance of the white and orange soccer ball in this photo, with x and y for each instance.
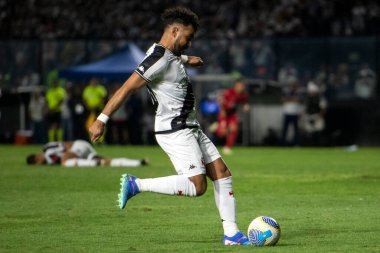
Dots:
(264, 231)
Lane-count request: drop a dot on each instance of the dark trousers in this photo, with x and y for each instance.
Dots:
(290, 120)
(39, 132)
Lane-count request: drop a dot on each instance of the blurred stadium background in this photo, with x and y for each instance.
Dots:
(333, 43)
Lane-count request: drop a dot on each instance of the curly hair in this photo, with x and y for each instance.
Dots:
(31, 159)
(181, 15)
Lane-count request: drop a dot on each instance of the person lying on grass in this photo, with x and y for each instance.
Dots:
(78, 153)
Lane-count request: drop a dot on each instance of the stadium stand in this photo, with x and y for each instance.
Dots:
(65, 19)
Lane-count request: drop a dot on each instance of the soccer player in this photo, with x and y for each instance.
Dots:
(228, 123)
(78, 153)
(176, 129)
(55, 96)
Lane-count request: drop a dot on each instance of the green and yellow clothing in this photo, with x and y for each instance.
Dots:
(94, 96)
(54, 98)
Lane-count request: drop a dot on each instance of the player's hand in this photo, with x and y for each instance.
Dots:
(195, 61)
(96, 130)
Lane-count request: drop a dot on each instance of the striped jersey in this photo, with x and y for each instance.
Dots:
(170, 89)
(53, 152)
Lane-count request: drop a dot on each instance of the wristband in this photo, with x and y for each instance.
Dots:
(184, 58)
(103, 118)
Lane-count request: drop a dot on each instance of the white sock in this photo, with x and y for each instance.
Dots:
(225, 201)
(171, 185)
(119, 162)
(80, 162)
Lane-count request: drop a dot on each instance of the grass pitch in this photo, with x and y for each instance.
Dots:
(325, 200)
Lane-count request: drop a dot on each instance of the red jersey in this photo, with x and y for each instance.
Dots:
(231, 99)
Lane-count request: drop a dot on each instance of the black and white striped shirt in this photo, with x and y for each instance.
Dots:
(170, 89)
(53, 152)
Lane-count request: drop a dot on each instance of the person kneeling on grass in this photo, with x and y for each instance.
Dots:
(78, 153)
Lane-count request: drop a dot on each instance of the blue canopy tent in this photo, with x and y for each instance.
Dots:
(118, 66)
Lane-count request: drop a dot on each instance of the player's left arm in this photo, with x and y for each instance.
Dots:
(193, 61)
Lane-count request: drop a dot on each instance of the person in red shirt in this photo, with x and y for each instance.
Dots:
(228, 121)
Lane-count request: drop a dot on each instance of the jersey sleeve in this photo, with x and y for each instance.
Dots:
(154, 64)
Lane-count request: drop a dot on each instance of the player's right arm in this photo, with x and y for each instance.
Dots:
(133, 83)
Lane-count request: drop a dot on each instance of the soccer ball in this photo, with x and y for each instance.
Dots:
(264, 231)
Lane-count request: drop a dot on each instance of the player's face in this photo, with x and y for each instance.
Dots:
(183, 39)
(239, 87)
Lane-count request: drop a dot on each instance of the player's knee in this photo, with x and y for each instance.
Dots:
(201, 189)
(200, 184)
(224, 171)
(217, 170)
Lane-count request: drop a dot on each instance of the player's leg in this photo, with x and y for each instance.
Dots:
(184, 152)
(79, 153)
(74, 161)
(221, 130)
(232, 133)
(71, 159)
(53, 127)
(83, 149)
(57, 132)
(174, 185)
(295, 120)
(125, 162)
(221, 176)
(78, 162)
(218, 172)
(285, 126)
(180, 185)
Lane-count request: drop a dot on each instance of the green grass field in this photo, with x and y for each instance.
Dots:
(326, 200)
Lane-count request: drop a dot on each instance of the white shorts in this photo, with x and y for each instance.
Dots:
(190, 150)
(83, 149)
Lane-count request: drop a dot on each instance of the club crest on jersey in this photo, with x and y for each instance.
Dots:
(183, 84)
(141, 68)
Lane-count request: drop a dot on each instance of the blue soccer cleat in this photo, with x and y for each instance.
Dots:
(238, 239)
(128, 189)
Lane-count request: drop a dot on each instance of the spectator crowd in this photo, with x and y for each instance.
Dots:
(37, 36)
(111, 19)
